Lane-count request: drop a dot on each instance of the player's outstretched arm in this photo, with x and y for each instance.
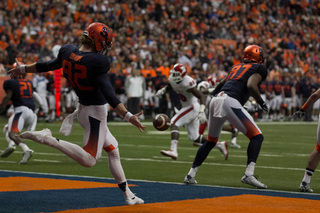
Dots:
(133, 119)
(20, 70)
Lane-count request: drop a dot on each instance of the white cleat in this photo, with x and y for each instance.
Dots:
(8, 151)
(190, 180)
(134, 201)
(223, 147)
(305, 187)
(170, 153)
(26, 156)
(235, 145)
(43, 137)
(253, 181)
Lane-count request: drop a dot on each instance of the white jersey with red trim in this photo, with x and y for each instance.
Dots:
(187, 98)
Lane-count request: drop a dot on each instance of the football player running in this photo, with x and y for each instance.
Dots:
(191, 112)
(20, 92)
(86, 69)
(314, 157)
(231, 94)
(206, 87)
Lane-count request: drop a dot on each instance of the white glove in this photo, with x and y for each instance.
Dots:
(161, 92)
(202, 115)
(298, 114)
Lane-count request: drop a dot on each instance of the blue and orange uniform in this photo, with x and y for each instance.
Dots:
(22, 90)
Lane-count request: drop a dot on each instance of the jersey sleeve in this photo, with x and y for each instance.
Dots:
(262, 70)
(53, 64)
(7, 85)
(107, 89)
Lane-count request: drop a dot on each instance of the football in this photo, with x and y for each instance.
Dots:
(161, 122)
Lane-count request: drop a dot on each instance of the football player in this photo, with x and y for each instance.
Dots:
(314, 157)
(20, 92)
(191, 112)
(231, 94)
(206, 87)
(86, 69)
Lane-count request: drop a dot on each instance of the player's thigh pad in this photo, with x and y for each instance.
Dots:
(94, 121)
(186, 115)
(240, 118)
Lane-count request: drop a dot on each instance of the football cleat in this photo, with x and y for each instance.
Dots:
(170, 153)
(223, 147)
(190, 180)
(43, 137)
(305, 187)
(253, 181)
(235, 145)
(26, 156)
(8, 151)
(134, 201)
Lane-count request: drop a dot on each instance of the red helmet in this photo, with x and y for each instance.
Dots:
(253, 53)
(213, 80)
(101, 35)
(177, 73)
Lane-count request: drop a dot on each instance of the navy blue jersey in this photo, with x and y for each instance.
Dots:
(287, 89)
(22, 90)
(236, 82)
(86, 72)
(277, 87)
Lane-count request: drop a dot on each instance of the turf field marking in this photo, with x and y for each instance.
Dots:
(49, 161)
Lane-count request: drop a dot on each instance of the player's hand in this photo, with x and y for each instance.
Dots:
(265, 107)
(18, 71)
(161, 92)
(135, 121)
(298, 114)
(202, 117)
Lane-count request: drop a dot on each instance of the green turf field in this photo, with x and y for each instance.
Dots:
(280, 166)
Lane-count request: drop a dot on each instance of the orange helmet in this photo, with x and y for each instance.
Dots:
(253, 53)
(101, 35)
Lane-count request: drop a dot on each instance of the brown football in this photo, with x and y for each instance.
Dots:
(161, 122)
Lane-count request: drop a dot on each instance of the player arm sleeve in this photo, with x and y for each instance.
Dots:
(53, 64)
(107, 90)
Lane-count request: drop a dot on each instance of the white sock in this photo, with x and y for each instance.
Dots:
(193, 171)
(75, 152)
(250, 169)
(24, 147)
(174, 145)
(234, 140)
(307, 176)
(118, 173)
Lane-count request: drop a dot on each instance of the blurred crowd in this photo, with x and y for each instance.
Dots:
(206, 36)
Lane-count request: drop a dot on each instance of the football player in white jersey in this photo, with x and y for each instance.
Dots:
(191, 112)
(206, 87)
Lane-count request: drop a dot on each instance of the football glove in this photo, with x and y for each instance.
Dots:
(202, 116)
(161, 92)
(298, 114)
(263, 105)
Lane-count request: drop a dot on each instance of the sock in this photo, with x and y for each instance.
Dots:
(234, 140)
(250, 169)
(307, 175)
(193, 171)
(202, 128)
(254, 148)
(118, 173)
(24, 147)
(202, 153)
(174, 145)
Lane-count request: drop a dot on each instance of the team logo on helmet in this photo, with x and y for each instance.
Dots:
(177, 73)
(253, 53)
